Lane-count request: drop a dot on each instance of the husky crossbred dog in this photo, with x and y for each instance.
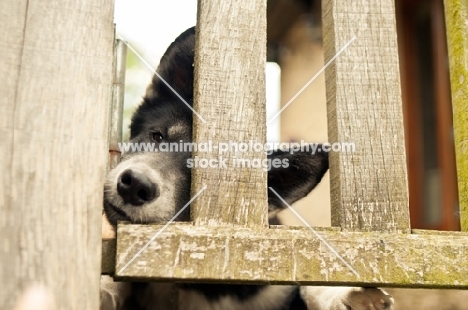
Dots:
(151, 187)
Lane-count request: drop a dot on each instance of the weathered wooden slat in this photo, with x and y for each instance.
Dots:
(56, 78)
(368, 186)
(230, 95)
(456, 15)
(116, 108)
(293, 256)
(108, 256)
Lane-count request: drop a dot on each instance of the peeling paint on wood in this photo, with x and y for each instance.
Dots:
(293, 256)
(229, 93)
(368, 186)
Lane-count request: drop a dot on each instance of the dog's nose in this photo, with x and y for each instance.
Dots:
(136, 188)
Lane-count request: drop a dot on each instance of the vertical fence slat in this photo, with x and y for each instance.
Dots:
(456, 16)
(369, 185)
(56, 87)
(230, 96)
(116, 109)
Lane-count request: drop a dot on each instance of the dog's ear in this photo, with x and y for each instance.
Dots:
(174, 78)
(299, 173)
(175, 70)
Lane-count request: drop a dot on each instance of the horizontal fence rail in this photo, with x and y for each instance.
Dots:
(228, 239)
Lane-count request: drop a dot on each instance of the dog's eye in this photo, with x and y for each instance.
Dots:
(157, 136)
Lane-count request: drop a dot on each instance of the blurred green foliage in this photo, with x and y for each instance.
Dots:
(137, 77)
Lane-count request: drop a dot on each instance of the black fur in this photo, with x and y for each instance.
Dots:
(161, 112)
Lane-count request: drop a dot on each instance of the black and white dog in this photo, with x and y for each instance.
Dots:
(151, 187)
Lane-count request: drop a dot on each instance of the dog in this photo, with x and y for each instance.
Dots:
(151, 187)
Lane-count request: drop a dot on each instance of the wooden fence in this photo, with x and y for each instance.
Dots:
(56, 86)
(371, 232)
(56, 81)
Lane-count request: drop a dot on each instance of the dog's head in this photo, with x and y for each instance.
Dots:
(149, 186)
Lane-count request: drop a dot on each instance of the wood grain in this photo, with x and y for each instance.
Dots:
(228, 241)
(229, 94)
(368, 186)
(56, 86)
(456, 15)
(293, 256)
(117, 106)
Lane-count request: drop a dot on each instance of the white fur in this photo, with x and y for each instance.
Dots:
(165, 203)
(161, 296)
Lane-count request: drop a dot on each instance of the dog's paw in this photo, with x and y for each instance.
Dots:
(346, 298)
(359, 298)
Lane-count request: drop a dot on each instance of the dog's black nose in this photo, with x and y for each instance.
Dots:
(136, 188)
